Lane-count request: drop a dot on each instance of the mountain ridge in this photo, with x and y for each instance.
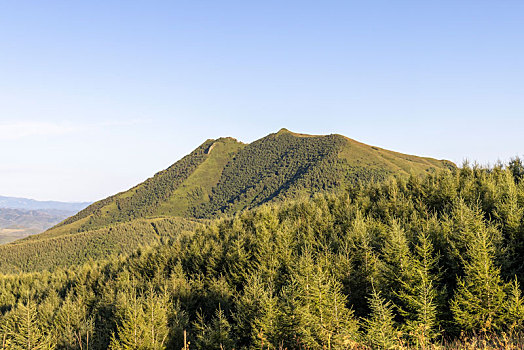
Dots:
(220, 178)
(33, 204)
(224, 175)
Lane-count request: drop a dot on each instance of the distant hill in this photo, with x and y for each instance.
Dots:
(19, 223)
(31, 204)
(220, 177)
(21, 217)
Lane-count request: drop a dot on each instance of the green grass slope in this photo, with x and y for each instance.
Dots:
(226, 176)
(158, 195)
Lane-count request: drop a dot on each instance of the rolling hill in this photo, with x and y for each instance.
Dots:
(21, 217)
(19, 223)
(222, 177)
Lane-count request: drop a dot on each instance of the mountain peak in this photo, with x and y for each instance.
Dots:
(284, 131)
(226, 176)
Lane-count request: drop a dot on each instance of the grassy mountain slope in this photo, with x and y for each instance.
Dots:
(287, 165)
(144, 199)
(225, 176)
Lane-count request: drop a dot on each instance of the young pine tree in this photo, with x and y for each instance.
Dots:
(398, 270)
(326, 322)
(478, 302)
(130, 331)
(73, 324)
(255, 315)
(143, 322)
(216, 335)
(421, 297)
(380, 326)
(514, 308)
(364, 263)
(26, 332)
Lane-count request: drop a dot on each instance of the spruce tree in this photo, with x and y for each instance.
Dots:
(156, 309)
(325, 321)
(5, 332)
(381, 332)
(26, 332)
(514, 309)
(479, 297)
(255, 315)
(216, 335)
(420, 297)
(143, 321)
(364, 263)
(73, 324)
(130, 331)
(398, 270)
(516, 167)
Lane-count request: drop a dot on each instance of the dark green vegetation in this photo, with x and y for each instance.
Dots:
(220, 177)
(406, 262)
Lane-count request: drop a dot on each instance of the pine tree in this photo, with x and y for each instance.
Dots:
(216, 335)
(143, 321)
(509, 214)
(364, 263)
(398, 270)
(27, 333)
(255, 315)
(380, 326)
(325, 321)
(421, 297)
(478, 301)
(73, 324)
(514, 308)
(156, 311)
(130, 331)
(5, 332)
(516, 167)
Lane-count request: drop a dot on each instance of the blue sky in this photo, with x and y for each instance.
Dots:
(96, 96)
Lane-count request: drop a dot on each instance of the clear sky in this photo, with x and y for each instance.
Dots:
(96, 96)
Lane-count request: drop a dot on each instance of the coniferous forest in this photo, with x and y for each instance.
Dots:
(176, 175)
(420, 261)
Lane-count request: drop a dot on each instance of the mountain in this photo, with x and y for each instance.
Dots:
(21, 217)
(19, 223)
(220, 177)
(226, 176)
(31, 204)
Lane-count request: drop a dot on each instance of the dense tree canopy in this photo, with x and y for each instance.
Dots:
(406, 262)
